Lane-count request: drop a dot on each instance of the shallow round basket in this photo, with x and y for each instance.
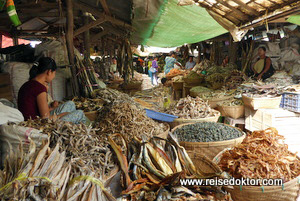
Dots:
(288, 192)
(177, 85)
(204, 164)
(209, 149)
(213, 103)
(235, 112)
(181, 121)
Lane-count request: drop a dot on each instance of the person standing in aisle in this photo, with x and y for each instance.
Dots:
(170, 61)
(154, 70)
(263, 68)
(149, 66)
(190, 64)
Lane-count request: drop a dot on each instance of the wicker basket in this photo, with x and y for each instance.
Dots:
(197, 81)
(209, 149)
(235, 112)
(92, 116)
(204, 164)
(288, 192)
(177, 85)
(180, 121)
(262, 103)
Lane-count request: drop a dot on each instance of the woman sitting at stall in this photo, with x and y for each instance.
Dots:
(263, 68)
(32, 97)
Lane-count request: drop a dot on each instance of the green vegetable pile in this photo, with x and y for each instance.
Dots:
(206, 132)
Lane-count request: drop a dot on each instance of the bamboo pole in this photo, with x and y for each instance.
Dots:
(86, 39)
(70, 46)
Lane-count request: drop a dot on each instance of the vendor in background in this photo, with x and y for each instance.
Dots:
(149, 66)
(263, 67)
(190, 64)
(154, 71)
(225, 61)
(32, 97)
(170, 61)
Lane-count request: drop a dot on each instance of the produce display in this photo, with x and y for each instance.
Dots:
(129, 120)
(206, 132)
(260, 90)
(192, 108)
(82, 145)
(192, 75)
(234, 80)
(151, 171)
(262, 155)
(88, 104)
(174, 72)
(200, 89)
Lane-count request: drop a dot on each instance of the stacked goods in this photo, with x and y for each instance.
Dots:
(193, 78)
(88, 104)
(234, 80)
(129, 120)
(207, 138)
(151, 171)
(257, 153)
(192, 108)
(83, 146)
(233, 108)
(206, 132)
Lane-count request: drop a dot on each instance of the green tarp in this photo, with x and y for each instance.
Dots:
(295, 19)
(178, 25)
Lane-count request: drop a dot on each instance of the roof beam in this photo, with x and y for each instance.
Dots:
(105, 7)
(94, 11)
(248, 8)
(89, 26)
(240, 13)
(99, 35)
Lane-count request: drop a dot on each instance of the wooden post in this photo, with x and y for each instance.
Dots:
(233, 48)
(86, 39)
(15, 40)
(70, 46)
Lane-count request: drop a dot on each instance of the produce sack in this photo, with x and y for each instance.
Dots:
(11, 135)
(9, 114)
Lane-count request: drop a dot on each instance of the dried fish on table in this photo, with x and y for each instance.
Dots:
(152, 171)
(111, 95)
(192, 108)
(260, 90)
(88, 104)
(232, 102)
(129, 120)
(262, 155)
(206, 132)
(37, 175)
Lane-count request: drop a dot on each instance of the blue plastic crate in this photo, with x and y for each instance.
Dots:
(292, 101)
(160, 116)
(282, 101)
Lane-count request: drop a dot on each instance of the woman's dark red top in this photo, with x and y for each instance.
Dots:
(27, 99)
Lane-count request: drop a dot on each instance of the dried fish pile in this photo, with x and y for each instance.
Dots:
(262, 155)
(192, 108)
(36, 175)
(83, 146)
(129, 120)
(206, 132)
(151, 171)
(154, 96)
(260, 90)
(88, 104)
(217, 94)
(281, 79)
(232, 102)
(111, 95)
(234, 80)
(216, 79)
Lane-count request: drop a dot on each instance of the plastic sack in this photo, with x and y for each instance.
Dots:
(11, 135)
(9, 114)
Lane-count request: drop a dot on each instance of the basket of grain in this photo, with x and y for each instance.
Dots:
(181, 121)
(208, 138)
(243, 161)
(199, 90)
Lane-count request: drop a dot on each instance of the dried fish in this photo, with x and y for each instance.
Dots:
(232, 102)
(129, 120)
(88, 104)
(262, 155)
(192, 108)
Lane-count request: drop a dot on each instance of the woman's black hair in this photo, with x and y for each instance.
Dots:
(263, 48)
(42, 65)
(164, 80)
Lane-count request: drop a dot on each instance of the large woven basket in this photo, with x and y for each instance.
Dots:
(180, 121)
(288, 192)
(204, 164)
(209, 149)
(235, 112)
(262, 103)
(198, 80)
